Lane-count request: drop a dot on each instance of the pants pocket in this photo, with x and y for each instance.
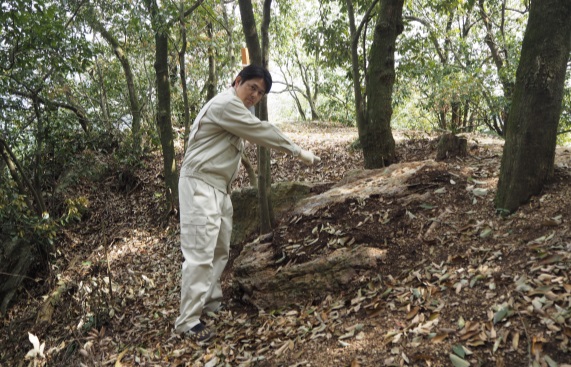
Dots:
(193, 232)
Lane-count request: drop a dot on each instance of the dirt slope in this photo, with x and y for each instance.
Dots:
(459, 286)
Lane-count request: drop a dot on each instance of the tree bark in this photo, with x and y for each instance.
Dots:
(264, 158)
(450, 146)
(163, 117)
(359, 102)
(212, 82)
(375, 131)
(258, 56)
(529, 151)
(40, 135)
(182, 62)
(250, 171)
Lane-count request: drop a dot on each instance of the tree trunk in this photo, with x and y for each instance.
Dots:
(267, 215)
(22, 182)
(164, 122)
(182, 62)
(250, 171)
(37, 176)
(212, 82)
(359, 103)
(529, 151)
(507, 84)
(311, 97)
(450, 146)
(79, 112)
(298, 105)
(129, 78)
(375, 131)
(257, 58)
(103, 101)
(163, 117)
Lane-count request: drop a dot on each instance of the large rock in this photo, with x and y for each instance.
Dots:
(284, 196)
(266, 282)
(392, 181)
(267, 287)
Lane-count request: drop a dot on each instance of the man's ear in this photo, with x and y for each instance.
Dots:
(238, 80)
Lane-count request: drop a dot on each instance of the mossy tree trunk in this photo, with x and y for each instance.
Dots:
(529, 151)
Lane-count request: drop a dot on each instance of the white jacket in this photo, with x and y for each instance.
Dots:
(215, 144)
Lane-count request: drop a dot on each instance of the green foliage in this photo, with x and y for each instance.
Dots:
(18, 222)
(35, 36)
(87, 166)
(445, 59)
(564, 138)
(76, 208)
(312, 53)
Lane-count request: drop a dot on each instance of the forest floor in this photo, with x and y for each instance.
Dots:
(459, 286)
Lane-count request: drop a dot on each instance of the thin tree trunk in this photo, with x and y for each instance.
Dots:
(103, 101)
(212, 82)
(307, 84)
(455, 119)
(163, 117)
(250, 171)
(129, 78)
(499, 61)
(292, 90)
(529, 151)
(77, 110)
(360, 100)
(230, 37)
(267, 219)
(375, 133)
(359, 103)
(163, 113)
(164, 122)
(37, 176)
(257, 58)
(21, 178)
(182, 62)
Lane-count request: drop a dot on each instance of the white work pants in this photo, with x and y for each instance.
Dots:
(205, 229)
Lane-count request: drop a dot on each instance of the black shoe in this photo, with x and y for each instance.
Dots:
(199, 334)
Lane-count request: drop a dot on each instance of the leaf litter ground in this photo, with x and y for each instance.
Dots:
(459, 286)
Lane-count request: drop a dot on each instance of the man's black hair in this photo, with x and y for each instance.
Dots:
(255, 71)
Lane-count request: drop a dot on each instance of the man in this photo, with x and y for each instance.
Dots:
(209, 167)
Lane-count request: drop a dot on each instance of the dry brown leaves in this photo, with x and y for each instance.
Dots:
(460, 286)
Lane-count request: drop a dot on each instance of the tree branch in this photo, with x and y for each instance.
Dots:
(83, 119)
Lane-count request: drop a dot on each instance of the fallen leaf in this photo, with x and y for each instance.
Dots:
(439, 338)
(457, 361)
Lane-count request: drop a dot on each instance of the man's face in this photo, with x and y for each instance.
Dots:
(250, 91)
